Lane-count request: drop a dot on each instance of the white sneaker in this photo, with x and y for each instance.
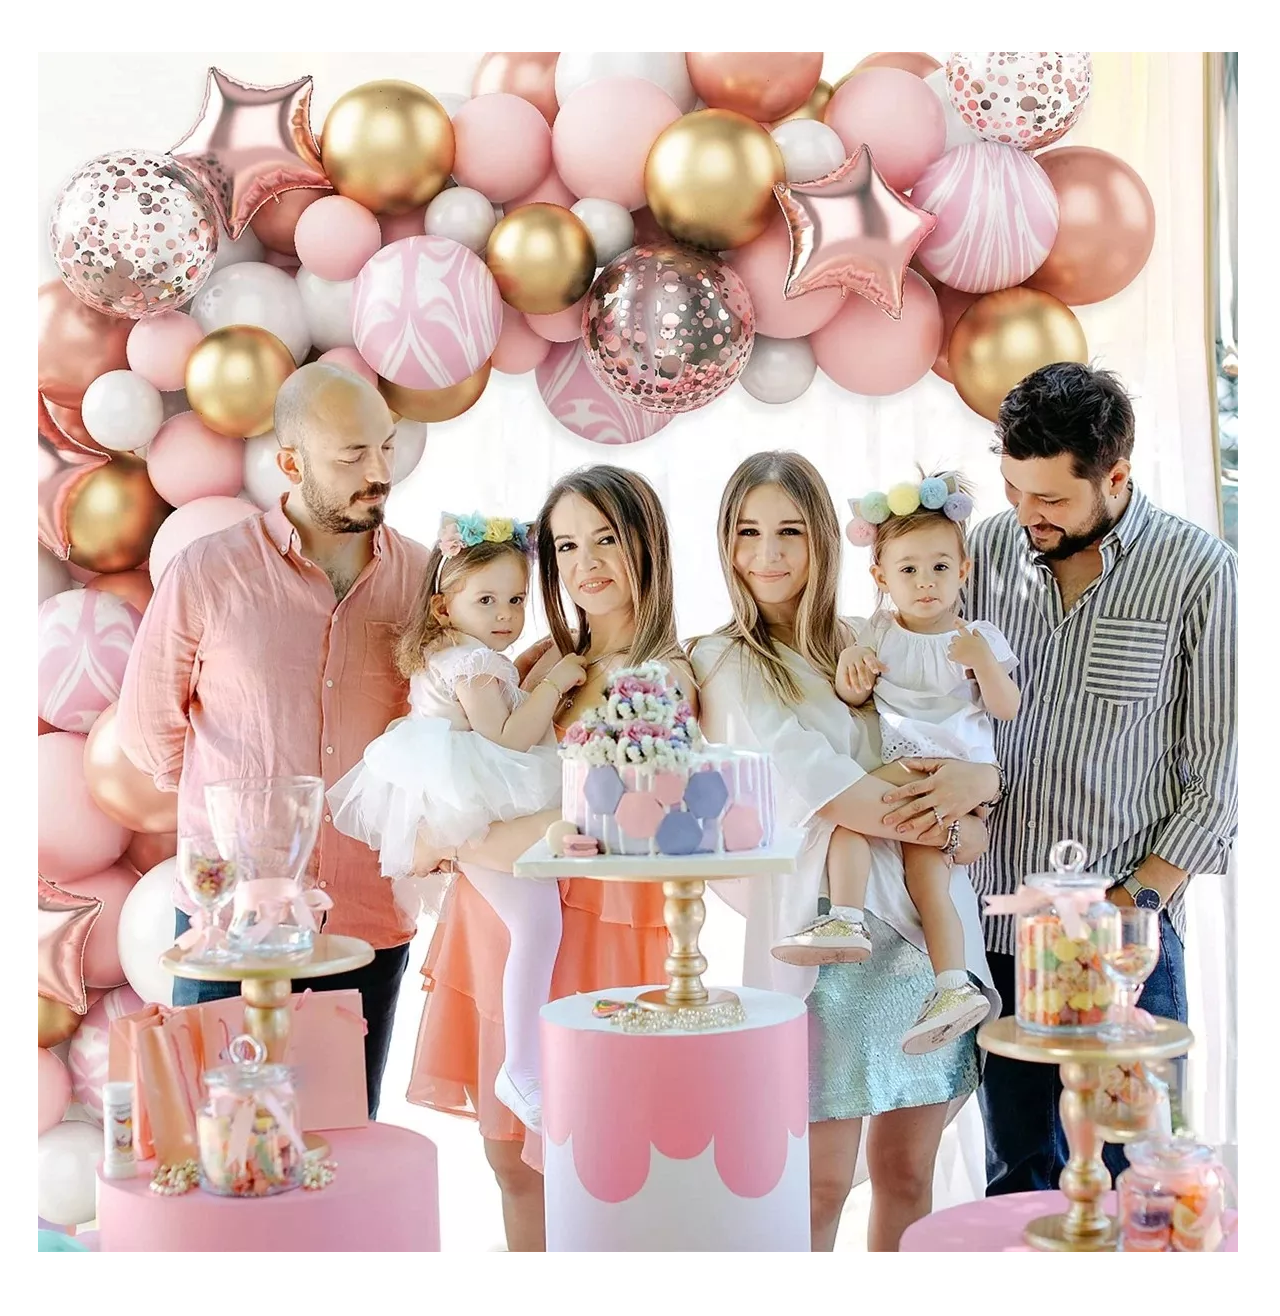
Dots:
(525, 1106)
(827, 940)
(947, 1013)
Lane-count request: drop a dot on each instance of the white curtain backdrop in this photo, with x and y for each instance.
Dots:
(502, 455)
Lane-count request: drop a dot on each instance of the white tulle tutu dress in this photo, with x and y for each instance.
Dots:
(430, 775)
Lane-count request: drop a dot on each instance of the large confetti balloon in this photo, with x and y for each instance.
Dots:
(134, 233)
(586, 407)
(85, 638)
(1022, 98)
(668, 328)
(997, 217)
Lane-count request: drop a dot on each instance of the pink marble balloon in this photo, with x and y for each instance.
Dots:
(997, 217)
(1022, 98)
(87, 1052)
(85, 638)
(426, 313)
(668, 327)
(582, 404)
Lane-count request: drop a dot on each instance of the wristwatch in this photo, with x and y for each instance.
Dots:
(1144, 897)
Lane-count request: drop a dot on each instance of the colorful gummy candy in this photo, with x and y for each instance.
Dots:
(211, 879)
(1060, 981)
(271, 1163)
(1183, 1216)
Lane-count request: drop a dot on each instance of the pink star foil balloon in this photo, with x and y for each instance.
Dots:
(250, 144)
(850, 230)
(65, 921)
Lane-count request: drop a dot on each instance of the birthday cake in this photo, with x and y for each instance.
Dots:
(640, 778)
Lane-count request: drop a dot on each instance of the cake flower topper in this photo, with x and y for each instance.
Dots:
(643, 720)
(945, 493)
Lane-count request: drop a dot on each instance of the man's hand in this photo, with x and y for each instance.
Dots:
(952, 789)
(1119, 896)
(1155, 873)
(856, 674)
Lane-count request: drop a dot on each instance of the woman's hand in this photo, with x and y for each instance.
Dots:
(952, 789)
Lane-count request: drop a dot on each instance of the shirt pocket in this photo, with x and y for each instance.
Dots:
(1126, 659)
(380, 679)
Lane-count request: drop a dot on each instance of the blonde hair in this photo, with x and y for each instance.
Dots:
(443, 576)
(819, 633)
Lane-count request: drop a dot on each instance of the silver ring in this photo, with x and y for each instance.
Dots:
(940, 817)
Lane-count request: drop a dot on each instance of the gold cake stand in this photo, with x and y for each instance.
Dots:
(1085, 1227)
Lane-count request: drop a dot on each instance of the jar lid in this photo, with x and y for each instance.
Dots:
(1067, 860)
(1169, 1154)
(247, 1073)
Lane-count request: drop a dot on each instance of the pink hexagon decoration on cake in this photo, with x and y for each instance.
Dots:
(997, 217)
(669, 788)
(426, 312)
(583, 405)
(639, 815)
(741, 828)
(85, 638)
(87, 1051)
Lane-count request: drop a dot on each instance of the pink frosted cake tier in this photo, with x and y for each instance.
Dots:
(721, 802)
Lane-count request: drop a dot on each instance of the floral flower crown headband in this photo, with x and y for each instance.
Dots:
(462, 532)
(938, 493)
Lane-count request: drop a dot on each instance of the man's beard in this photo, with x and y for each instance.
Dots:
(343, 519)
(1100, 522)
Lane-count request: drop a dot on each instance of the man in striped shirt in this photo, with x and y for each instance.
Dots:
(1123, 619)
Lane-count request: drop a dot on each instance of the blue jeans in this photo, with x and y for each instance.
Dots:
(1026, 1147)
(378, 984)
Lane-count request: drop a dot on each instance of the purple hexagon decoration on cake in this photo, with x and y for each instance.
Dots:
(679, 833)
(706, 794)
(604, 789)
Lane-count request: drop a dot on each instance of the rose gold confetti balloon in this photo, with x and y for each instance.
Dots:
(1022, 98)
(667, 327)
(134, 234)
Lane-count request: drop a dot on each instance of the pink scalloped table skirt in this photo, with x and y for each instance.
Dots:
(995, 1224)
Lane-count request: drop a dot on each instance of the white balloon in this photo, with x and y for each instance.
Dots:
(612, 229)
(327, 306)
(146, 930)
(958, 132)
(248, 246)
(665, 68)
(53, 575)
(411, 443)
(66, 1183)
(264, 481)
(809, 149)
(122, 410)
(463, 215)
(258, 294)
(780, 369)
(452, 101)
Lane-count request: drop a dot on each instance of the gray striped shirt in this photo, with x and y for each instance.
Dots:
(1126, 737)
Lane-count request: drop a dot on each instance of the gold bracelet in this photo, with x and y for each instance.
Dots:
(546, 680)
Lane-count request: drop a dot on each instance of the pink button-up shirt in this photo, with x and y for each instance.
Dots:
(245, 667)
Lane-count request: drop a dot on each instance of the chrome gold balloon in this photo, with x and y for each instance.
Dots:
(542, 257)
(113, 515)
(233, 377)
(435, 404)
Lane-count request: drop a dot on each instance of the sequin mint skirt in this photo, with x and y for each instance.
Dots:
(857, 1015)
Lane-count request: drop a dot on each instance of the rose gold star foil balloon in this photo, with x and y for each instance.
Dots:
(65, 430)
(851, 230)
(251, 144)
(65, 921)
(668, 327)
(62, 471)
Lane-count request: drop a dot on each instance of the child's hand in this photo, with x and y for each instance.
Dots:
(969, 649)
(569, 673)
(856, 674)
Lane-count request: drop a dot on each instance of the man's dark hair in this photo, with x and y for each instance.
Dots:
(1067, 407)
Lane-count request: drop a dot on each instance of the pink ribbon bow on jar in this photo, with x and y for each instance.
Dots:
(270, 899)
(1070, 906)
(203, 935)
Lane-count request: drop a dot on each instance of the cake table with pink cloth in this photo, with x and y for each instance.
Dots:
(676, 1141)
(384, 1198)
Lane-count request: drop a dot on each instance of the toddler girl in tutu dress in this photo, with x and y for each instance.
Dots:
(474, 750)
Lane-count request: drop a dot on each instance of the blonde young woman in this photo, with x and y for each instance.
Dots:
(767, 681)
(602, 541)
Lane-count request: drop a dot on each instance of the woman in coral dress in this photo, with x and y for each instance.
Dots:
(603, 542)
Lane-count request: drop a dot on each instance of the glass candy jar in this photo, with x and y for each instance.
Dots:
(1064, 926)
(250, 1139)
(1134, 1101)
(1172, 1197)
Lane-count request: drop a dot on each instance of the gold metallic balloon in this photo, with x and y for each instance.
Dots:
(435, 404)
(113, 515)
(1005, 336)
(388, 145)
(233, 377)
(814, 108)
(709, 179)
(542, 257)
(57, 1021)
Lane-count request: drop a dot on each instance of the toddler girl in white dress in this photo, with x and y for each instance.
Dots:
(474, 750)
(937, 682)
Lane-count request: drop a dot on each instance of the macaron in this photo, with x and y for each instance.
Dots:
(581, 847)
(557, 834)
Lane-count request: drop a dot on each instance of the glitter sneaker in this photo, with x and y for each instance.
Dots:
(946, 1014)
(827, 940)
(525, 1106)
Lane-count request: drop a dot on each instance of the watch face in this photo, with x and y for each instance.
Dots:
(1147, 899)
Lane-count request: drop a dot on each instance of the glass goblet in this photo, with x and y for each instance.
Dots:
(210, 881)
(1128, 964)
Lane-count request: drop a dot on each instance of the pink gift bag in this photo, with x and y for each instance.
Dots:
(326, 1048)
(124, 1065)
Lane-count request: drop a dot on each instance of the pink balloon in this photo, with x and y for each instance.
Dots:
(184, 525)
(426, 312)
(80, 574)
(282, 261)
(335, 237)
(551, 190)
(560, 326)
(75, 838)
(519, 349)
(897, 116)
(412, 224)
(187, 460)
(349, 359)
(84, 640)
(603, 133)
(762, 265)
(53, 1089)
(866, 352)
(158, 348)
(583, 405)
(101, 955)
(502, 145)
(88, 1050)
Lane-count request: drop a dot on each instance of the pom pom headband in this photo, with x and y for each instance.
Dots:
(938, 493)
(462, 532)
